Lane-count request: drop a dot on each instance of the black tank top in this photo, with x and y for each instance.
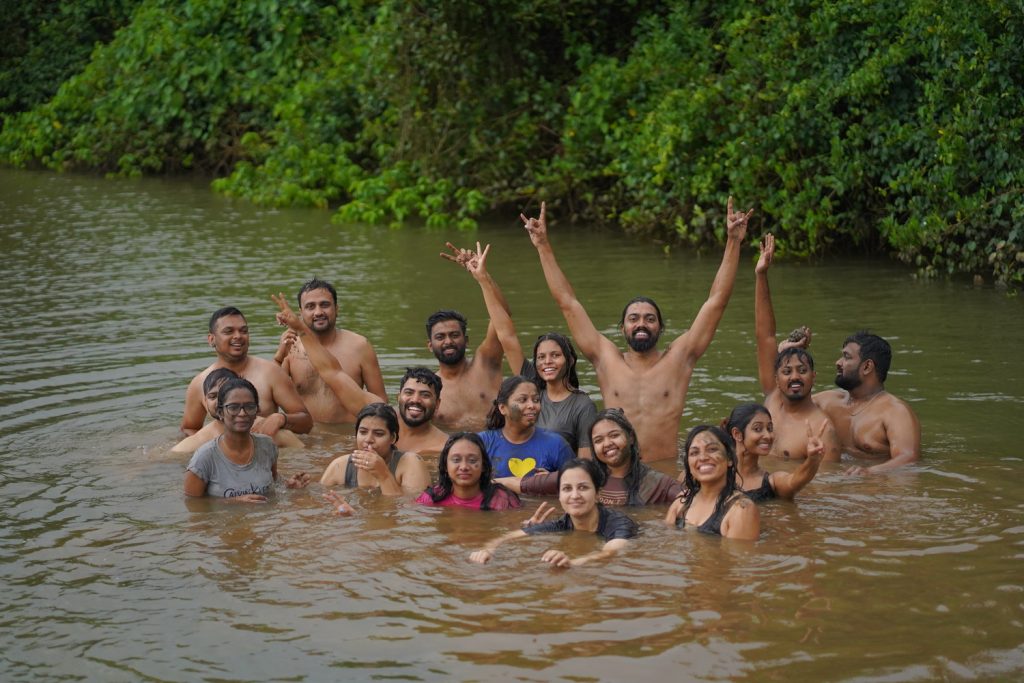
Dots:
(764, 492)
(713, 524)
(352, 475)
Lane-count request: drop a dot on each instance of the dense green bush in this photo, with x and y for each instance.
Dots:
(886, 127)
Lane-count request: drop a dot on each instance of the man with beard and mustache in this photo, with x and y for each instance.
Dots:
(787, 376)
(870, 421)
(318, 305)
(649, 385)
(419, 392)
(229, 337)
(469, 385)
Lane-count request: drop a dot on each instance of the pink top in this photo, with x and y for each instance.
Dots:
(501, 500)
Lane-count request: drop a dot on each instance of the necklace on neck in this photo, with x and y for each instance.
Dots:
(247, 452)
(860, 409)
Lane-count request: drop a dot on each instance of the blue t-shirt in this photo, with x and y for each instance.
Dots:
(545, 449)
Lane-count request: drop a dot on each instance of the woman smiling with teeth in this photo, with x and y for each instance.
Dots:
(712, 502)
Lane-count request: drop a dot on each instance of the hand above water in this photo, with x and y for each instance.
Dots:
(537, 228)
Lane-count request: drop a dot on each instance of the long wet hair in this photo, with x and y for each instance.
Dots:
(637, 469)
(692, 485)
(384, 412)
(740, 418)
(495, 420)
(570, 378)
(445, 485)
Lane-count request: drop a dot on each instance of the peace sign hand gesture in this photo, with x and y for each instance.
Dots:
(543, 511)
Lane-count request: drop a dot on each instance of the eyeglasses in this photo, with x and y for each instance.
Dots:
(236, 408)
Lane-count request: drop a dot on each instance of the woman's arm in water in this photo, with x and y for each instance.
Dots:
(557, 558)
(787, 485)
(743, 520)
(485, 554)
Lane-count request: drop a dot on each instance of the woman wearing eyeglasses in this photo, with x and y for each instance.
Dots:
(238, 465)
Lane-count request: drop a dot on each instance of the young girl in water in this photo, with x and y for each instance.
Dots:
(712, 502)
(578, 484)
(237, 465)
(565, 409)
(376, 461)
(628, 480)
(750, 426)
(211, 430)
(513, 441)
(464, 478)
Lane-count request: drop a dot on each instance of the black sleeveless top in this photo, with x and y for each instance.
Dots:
(763, 493)
(713, 524)
(352, 475)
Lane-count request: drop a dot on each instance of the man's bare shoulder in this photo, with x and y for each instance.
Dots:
(893, 406)
(351, 340)
(830, 397)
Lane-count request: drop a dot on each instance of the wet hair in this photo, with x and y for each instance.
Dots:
(317, 283)
(495, 420)
(589, 466)
(798, 351)
(741, 416)
(217, 376)
(445, 315)
(691, 484)
(230, 385)
(222, 313)
(636, 467)
(641, 300)
(445, 485)
(873, 348)
(424, 375)
(570, 357)
(384, 412)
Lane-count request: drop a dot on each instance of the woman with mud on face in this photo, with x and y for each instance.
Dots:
(565, 409)
(712, 501)
(464, 478)
(237, 465)
(579, 482)
(514, 442)
(616, 450)
(376, 462)
(750, 426)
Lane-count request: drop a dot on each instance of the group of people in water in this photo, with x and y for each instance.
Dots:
(536, 432)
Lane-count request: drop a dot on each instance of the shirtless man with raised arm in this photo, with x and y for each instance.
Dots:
(787, 376)
(418, 395)
(469, 385)
(649, 385)
(318, 305)
(869, 420)
(229, 337)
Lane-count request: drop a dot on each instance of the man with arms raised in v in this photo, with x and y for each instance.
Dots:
(787, 376)
(649, 385)
(870, 421)
(419, 392)
(229, 337)
(318, 305)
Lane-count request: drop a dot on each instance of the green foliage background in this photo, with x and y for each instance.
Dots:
(891, 126)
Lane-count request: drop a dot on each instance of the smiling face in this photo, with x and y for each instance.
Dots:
(552, 365)
(523, 407)
(230, 338)
(611, 445)
(795, 378)
(417, 403)
(465, 464)
(706, 459)
(448, 342)
(640, 326)
(318, 310)
(373, 434)
(238, 411)
(577, 493)
(759, 435)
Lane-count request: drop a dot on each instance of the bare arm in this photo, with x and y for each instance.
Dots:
(485, 554)
(286, 396)
(743, 521)
(369, 367)
(497, 309)
(591, 343)
(195, 412)
(695, 341)
(787, 485)
(490, 350)
(764, 317)
(351, 396)
(904, 433)
(412, 473)
(194, 486)
(560, 559)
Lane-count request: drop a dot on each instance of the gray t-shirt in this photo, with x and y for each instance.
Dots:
(225, 479)
(571, 419)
